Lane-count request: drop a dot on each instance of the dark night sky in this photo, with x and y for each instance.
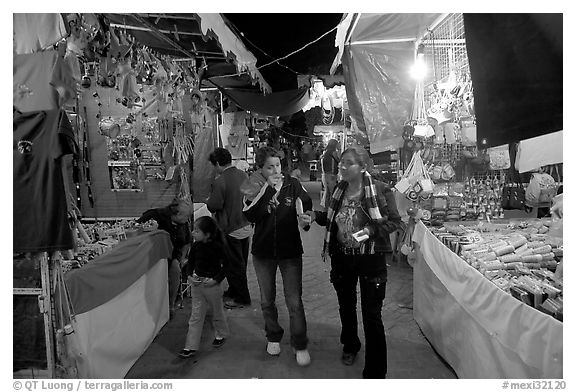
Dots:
(280, 34)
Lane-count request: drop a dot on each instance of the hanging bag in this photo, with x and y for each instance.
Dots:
(516, 196)
(505, 198)
(499, 157)
(468, 133)
(404, 184)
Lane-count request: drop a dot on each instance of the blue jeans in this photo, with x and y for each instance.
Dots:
(291, 271)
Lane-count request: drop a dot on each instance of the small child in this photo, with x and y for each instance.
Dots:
(205, 274)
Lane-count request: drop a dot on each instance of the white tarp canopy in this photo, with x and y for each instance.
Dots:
(377, 52)
(363, 29)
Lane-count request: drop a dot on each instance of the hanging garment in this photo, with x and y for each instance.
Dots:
(40, 140)
(35, 32)
(235, 134)
(41, 81)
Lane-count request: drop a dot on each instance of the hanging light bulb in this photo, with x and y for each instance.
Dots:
(418, 71)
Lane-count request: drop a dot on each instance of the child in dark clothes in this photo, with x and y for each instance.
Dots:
(205, 274)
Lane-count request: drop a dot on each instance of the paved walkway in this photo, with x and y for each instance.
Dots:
(410, 356)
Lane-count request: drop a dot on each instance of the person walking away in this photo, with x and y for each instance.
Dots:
(277, 245)
(226, 203)
(205, 271)
(329, 166)
(360, 217)
(173, 219)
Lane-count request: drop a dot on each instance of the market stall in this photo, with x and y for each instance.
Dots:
(490, 312)
(128, 114)
(480, 330)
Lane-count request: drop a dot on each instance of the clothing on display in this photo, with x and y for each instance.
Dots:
(34, 32)
(40, 140)
(41, 81)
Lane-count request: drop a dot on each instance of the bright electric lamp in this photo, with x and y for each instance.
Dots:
(418, 70)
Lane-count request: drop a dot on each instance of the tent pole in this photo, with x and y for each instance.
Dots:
(157, 32)
(218, 141)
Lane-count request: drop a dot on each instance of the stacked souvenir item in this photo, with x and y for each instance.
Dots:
(519, 258)
(484, 196)
(101, 237)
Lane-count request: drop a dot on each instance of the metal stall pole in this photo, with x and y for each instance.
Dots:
(44, 296)
(220, 142)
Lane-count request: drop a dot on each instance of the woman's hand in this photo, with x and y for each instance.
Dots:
(304, 220)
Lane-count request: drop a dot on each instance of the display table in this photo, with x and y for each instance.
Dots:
(121, 302)
(480, 330)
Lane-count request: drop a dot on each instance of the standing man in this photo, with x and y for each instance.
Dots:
(226, 203)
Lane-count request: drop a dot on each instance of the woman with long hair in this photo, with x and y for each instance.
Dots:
(361, 215)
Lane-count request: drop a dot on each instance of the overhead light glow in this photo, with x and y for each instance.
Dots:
(418, 71)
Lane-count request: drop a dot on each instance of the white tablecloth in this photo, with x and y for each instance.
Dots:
(481, 331)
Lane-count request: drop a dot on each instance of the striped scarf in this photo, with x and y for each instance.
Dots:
(336, 202)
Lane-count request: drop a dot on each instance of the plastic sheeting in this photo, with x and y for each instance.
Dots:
(481, 331)
(380, 90)
(359, 28)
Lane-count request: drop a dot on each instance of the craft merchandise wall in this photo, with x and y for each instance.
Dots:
(153, 193)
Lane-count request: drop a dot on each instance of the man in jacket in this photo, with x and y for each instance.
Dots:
(226, 203)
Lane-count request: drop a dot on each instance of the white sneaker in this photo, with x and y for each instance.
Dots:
(303, 357)
(273, 348)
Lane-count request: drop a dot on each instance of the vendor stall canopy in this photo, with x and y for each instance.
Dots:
(205, 37)
(230, 67)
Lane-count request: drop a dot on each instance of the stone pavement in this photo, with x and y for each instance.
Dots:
(244, 356)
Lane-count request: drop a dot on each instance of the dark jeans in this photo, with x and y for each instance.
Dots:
(291, 271)
(372, 292)
(236, 270)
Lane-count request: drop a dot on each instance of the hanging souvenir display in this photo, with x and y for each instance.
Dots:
(416, 182)
(499, 157)
(124, 176)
